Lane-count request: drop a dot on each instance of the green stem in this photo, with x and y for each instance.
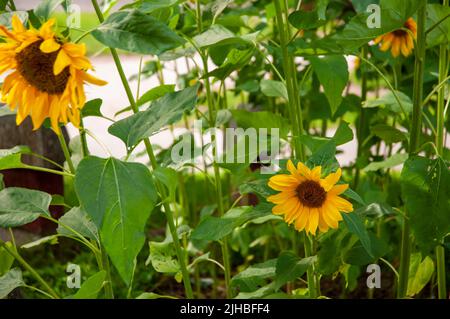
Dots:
(312, 287)
(28, 267)
(47, 170)
(218, 182)
(415, 133)
(362, 117)
(66, 152)
(154, 164)
(290, 78)
(84, 146)
(443, 70)
(440, 260)
(104, 264)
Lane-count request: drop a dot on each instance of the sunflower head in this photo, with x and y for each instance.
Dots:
(307, 200)
(399, 41)
(47, 74)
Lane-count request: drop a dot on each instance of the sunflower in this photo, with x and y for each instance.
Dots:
(46, 77)
(399, 41)
(307, 200)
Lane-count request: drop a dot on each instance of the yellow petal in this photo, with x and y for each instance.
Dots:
(313, 220)
(303, 170)
(285, 207)
(46, 31)
(75, 50)
(323, 225)
(341, 204)
(293, 213)
(281, 197)
(328, 182)
(49, 46)
(283, 182)
(17, 24)
(404, 47)
(395, 50)
(337, 189)
(62, 61)
(92, 79)
(302, 219)
(315, 173)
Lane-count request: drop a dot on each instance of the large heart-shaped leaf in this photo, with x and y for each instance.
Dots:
(166, 110)
(119, 198)
(137, 32)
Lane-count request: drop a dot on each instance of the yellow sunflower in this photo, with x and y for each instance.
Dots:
(47, 74)
(399, 41)
(307, 200)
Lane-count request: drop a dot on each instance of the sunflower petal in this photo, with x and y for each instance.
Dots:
(62, 61)
(49, 46)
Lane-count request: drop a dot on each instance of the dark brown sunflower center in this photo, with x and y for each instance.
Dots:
(311, 194)
(400, 33)
(37, 68)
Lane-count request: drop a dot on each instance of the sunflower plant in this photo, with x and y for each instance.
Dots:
(337, 162)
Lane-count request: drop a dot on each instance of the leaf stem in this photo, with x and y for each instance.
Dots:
(28, 267)
(443, 71)
(66, 152)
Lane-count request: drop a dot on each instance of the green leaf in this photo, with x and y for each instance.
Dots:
(356, 226)
(78, 220)
(215, 228)
(6, 260)
(119, 198)
(333, 85)
(21, 206)
(169, 177)
(358, 255)
(343, 134)
(390, 102)
(214, 35)
(91, 287)
(6, 18)
(290, 267)
(92, 108)
(420, 273)
(388, 133)
(151, 95)
(441, 33)
(167, 110)
(254, 276)
(425, 187)
(12, 158)
(235, 60)
(324, 156)
(152, 295)
(306, 20)
(163, 257)
(274, 88)
(394, 160)
(10, 281)
(46, 7)
(149, 6)
(136, 32)
(263, 119)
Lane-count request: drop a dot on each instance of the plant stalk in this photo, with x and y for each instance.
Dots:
(443, 71)
(415, 133)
